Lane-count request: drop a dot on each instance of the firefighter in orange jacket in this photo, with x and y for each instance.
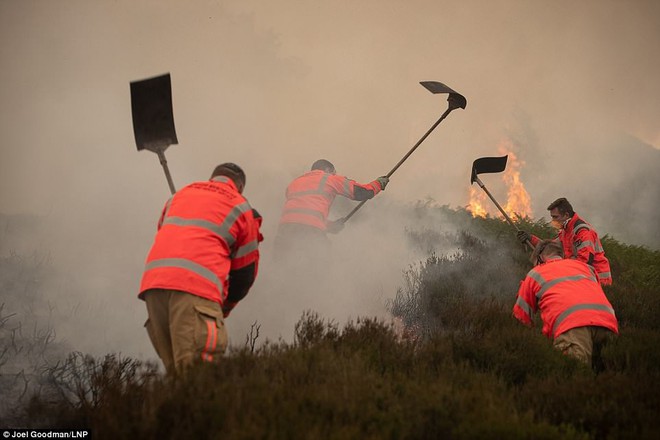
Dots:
(203, 261)
(308, 200)
(578, 238)
(574, 309)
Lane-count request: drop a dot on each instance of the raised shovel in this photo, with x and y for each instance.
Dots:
(492, 165)
(153, 119)
(455, 100)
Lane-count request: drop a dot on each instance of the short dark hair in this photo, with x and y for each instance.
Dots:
(323, 165)
(562, 205)
(231, 170)
(547, 248)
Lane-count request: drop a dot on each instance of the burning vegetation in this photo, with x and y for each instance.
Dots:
(518, 203)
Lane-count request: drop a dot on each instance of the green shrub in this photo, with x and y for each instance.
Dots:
(610, 405)
(464, 368)
(360, 383)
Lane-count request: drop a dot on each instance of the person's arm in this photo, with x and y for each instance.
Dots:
(240, 281)
(584, 242)
(366, 192)
(357, 191)
(526, 304)
(523, 236)
(534, 240)
(244, 262)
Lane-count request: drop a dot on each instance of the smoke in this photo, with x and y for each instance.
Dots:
(356, 273)
(273, 86)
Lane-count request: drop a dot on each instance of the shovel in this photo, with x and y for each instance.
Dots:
(492, 165)
(153, 119)
(455, 100)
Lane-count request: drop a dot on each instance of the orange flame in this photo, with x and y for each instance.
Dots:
(476, 206)
(518, 203)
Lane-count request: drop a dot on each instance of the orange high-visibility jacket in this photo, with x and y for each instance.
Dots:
(309, 197)
(580, 241)
(568, 294)
(206, 230)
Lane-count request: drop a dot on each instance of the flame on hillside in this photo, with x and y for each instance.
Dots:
(478, 200)
(518, 203)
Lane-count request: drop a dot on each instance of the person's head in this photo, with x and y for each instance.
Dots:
(546, 250)
(324, 165)
(560, 211)
(233, 171)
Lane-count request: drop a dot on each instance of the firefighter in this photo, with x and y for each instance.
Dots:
(304, 217)
(203, 261)
(578, 238)
(574, 310)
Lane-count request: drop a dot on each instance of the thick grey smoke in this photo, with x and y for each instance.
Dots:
(274, 86)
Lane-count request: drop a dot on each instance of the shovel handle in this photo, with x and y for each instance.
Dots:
(163, 162)
(404, 158)
(506, 216)
(428, 132)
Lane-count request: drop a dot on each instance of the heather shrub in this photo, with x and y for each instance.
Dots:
(609, 405)
(28, 343)
(359, 382)
(461, 367)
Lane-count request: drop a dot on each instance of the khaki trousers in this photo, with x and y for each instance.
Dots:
(184, 328)
(583, 343)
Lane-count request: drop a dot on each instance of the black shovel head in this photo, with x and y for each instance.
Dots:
(153, 119)
(455, 99)
(488, 165)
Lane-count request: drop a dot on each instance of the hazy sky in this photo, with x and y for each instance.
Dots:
(274, 85)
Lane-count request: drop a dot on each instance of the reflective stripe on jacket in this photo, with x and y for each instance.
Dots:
(309, 197)
(206, 230)
(580, 241)
(568, 295)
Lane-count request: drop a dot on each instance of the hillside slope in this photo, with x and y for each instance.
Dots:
(462, 369)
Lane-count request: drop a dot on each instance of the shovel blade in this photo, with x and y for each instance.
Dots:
(153, 118)
(436, 87)
(488, 165)
(455, 99)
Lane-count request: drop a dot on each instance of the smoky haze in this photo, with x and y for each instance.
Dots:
(273, 86)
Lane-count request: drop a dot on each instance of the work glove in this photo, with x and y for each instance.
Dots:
(523, 236)
(335, 227)
(383, 180)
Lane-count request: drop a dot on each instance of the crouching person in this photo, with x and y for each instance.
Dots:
(574, 310)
